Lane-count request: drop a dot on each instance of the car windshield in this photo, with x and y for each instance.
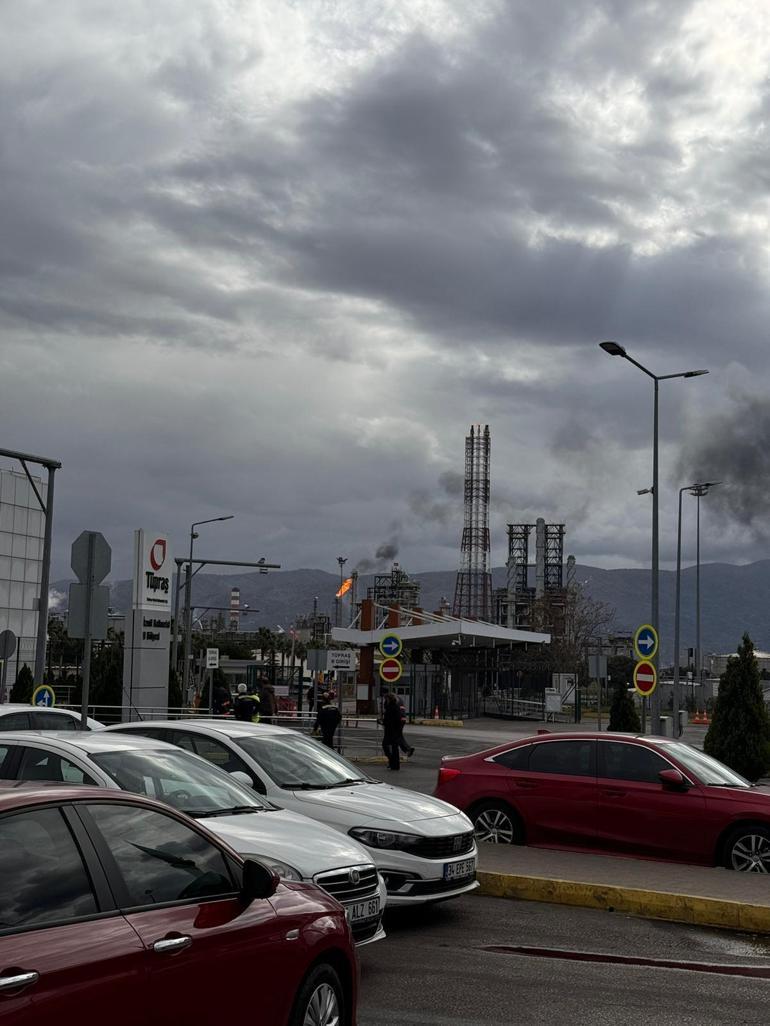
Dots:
(295, 762)
(708, 771)
(179, 779)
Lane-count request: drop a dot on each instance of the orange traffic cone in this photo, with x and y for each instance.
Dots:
(435, 714)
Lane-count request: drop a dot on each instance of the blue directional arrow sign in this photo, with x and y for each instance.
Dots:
(44, 696)
(645, 642)
(391, 646)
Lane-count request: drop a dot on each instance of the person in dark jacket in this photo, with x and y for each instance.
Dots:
(327, 720)
(391, 723)
(222, 700)
(268, 705)
(246, 706)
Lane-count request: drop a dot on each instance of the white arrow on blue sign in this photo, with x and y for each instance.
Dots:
(646, 642)
(390, 646)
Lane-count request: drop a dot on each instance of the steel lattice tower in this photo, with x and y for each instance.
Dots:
(473, 589)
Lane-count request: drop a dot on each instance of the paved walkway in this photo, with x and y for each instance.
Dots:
(651, 889)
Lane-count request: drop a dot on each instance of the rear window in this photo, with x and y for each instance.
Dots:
(569, 758)
(515, 758)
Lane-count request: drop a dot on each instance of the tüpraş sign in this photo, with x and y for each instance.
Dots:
(153, 573)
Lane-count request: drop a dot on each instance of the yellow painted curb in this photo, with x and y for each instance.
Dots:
(677, 908)
(439, 723)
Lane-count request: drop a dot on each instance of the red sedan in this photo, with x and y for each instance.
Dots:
(117, 909)
(612, 792)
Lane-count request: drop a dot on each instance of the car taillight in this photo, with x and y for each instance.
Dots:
(445, 774)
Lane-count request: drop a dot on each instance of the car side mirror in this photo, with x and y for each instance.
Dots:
(241, 777)
(672, 780)
(258, 882)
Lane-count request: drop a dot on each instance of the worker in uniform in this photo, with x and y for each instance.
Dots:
(328, 719)
(246, 706)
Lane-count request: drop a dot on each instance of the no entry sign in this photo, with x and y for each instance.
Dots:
(645, 678)
(390, 670)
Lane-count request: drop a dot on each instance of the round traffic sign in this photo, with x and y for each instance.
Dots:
(645, 678)
(391, 670)
(44, 696)
(390, 646)
(645, 642)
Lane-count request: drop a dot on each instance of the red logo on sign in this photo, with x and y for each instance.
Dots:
(158, 553)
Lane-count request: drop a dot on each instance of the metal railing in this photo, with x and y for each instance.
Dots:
(356, 737)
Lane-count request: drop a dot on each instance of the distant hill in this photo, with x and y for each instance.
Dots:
(733, 598)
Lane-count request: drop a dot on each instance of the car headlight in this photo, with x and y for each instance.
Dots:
(384, 838)
(283, 869)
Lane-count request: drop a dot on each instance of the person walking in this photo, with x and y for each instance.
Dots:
(391, 723)
(328, 719)
(402, 744)
(268, 705)
(246, 706)
(222, 700)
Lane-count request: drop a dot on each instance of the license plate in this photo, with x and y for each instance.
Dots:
(459, 870)
(369, 909)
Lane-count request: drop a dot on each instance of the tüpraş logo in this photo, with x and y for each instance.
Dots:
(158, 554)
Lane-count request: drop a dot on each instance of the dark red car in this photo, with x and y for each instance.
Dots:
(117, 909)
(612, 792)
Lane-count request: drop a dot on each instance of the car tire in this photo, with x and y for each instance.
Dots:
(320, 1000)
(747, 849)
(496, 823)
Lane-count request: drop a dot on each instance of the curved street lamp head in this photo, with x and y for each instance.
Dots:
(694, 374)
(612, 348)
(702, 488)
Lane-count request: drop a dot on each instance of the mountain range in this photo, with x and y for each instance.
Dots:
(734, 599)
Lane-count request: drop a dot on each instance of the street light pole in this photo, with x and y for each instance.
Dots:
(614, 349)
(188, 604)
(697, 489)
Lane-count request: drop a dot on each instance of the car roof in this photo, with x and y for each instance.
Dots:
(230, 728)
(14, 707)
(27, 707)
(88, 741)
(591, 735)
(19, 793)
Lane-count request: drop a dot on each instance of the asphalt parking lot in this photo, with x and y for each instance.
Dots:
(436, 969)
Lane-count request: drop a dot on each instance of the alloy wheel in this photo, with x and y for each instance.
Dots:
(750, 853)
(493, 826)
(323, 1008)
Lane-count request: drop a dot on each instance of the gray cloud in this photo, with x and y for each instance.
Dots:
(275, 262)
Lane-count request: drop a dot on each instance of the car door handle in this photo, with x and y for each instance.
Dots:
(613, 792)
(169, 945)
(527, 784)
(19, 980)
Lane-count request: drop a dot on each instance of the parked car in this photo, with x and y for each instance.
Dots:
(423, 847)
(293, 846)
(612, 792)
(18, 716)
(117, 909)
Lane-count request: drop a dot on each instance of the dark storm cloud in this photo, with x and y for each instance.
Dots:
(424, 228)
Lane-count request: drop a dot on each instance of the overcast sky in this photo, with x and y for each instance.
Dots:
(273, 257)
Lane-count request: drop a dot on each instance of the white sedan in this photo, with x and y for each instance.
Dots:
(295, 847)
(423, 847)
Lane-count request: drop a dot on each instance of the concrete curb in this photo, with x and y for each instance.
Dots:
(439, 723)
(676, 908)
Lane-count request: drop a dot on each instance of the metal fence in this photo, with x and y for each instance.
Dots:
(356, 737)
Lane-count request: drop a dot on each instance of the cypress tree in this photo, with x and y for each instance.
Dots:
(623, 715)
(23, 688)
(739, 735)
